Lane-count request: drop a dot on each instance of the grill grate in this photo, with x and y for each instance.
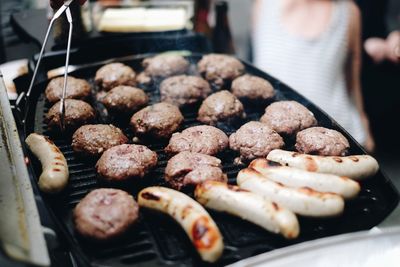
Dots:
(156, 240)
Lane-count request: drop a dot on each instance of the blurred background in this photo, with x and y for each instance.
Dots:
(229, 27)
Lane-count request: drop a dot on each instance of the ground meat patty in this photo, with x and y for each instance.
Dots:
(105, 213)
(252, 88)
(158, 120)
(255, 139)
(288, 117)
(218, 68)
(125, 162)
(165, 65)
(76, 89)
(125, 99)
(184, 90)
(77, 113)
(114, 74)
(220, 106)
(188, 168)
(322, 141)
(201, 139)
(93, 139)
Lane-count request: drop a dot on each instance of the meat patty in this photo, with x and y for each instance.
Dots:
(114, 74)
(322, 141)
(255, 139)
(159, 120)
(76, 89)
(125, 162)
(184, 90)
(93, 139)
(288, 117)
(105, 213)
(125, 99)
(220, 106)
(200, 139)
(252, 88)
(165, 65)
(77, 113)
(217, 68)
(189, 169)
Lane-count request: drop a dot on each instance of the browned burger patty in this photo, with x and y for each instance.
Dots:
(252, 88)
(184, 90)
(165, 65)
(77, 113)
(218, 68)
(220, 106)
(255, 139)
(288, 117)
(322, 141)
(125, 162)
(93, 139)
(188, 168)
(114, 74)
(76, 89)
(125, 99)
(105, 213)
(201, 139)
(158, 120)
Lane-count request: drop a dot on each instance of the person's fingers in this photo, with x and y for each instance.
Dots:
(376, 49)
(393, 46)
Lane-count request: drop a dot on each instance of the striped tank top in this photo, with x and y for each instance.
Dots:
(314, 67)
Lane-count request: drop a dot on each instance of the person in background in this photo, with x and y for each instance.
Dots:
(380, 69)
(315, 47)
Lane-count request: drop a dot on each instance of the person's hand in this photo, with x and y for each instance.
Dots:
(393, 47)
(380, 49)
(56, 4)
(376, 49)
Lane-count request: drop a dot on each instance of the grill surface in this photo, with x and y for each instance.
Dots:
(156, 240)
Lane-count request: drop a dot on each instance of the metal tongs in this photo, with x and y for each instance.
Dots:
(26, 96)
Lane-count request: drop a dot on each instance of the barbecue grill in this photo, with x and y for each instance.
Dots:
(156, 240)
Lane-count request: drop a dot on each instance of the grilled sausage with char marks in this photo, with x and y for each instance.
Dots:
(293, 177)
(303, 201)
(356, 167)
(248, 206)
(55, 173)
(194, 219)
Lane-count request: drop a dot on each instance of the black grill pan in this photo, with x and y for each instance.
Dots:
(156, 240)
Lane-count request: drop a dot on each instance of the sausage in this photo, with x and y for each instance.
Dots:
(54, 176)
(293, 177)
(356, 167)
(194, 219)
(248, 206)
(303, 201)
